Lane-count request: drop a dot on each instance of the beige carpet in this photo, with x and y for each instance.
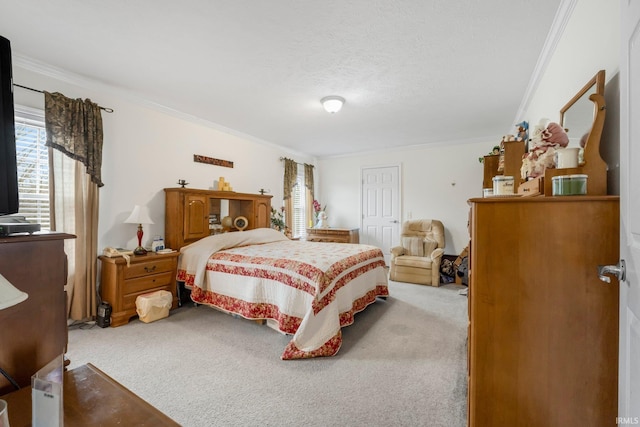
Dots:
(403, 363)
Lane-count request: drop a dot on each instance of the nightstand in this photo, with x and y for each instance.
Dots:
(121, 283)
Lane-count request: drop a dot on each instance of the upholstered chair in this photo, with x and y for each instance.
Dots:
(418, 259)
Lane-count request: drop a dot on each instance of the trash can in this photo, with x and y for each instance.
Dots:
(153, 306)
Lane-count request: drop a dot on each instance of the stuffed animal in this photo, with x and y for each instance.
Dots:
(547, 137)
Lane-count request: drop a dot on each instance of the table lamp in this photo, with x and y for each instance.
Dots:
(139, 215)
(10, 296)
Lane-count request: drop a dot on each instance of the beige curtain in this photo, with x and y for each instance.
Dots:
(290, 176)
(74, 131)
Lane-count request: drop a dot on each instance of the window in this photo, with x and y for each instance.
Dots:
(33, 166)
(299, 227)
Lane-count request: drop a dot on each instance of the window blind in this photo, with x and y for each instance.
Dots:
(299, 228)
(33, 168)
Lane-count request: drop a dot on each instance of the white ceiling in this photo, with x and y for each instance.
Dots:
(412, 71)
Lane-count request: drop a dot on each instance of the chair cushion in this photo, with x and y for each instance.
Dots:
(413, 245)
(430, 245)
(413, 261)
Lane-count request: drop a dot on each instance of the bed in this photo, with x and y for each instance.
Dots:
(309, 290)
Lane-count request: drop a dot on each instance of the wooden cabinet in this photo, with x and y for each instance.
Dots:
(511, 164)
(543, 333)
(337, 235)
(121, 283)
(189, 212)
(33, 332)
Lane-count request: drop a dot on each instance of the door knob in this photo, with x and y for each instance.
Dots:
(395, 221)
(618, 271)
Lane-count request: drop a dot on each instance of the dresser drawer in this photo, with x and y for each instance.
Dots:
(333, 235)
(149, 267)
(329, 239)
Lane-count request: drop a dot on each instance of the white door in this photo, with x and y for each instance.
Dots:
(629, 367)
(381, 208)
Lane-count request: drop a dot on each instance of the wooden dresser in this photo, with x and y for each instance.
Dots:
(543, 332)
(33, 332)
(121, 283)
(337, 235)
(188, 212)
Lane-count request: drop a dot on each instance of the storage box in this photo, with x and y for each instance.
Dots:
(503, 185)
(153, 306)
(569, 185)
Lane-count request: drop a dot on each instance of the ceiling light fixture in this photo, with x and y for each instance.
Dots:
(332, 103)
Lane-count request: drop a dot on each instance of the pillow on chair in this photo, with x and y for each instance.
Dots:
(418, 246)
(413, 245)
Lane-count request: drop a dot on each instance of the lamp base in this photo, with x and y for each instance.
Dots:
(139, 251)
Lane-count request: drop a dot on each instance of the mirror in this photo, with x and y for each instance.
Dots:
(578, 115)
(583, 118)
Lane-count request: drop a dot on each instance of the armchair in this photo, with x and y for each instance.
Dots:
(418, 259)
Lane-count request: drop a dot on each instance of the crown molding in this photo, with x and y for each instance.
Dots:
(563, 14)
(414, 147)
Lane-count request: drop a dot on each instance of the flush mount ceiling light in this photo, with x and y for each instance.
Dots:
(332, 103)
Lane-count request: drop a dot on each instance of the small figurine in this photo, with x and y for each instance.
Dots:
(523, 131)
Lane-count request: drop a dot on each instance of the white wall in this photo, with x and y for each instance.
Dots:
(588, 43)
(436, 182)
(146, 150)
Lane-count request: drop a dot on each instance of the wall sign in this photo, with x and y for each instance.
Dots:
(211, 161)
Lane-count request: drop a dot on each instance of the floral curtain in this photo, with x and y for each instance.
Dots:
(74, 135)
(290, 176)
(310, 193)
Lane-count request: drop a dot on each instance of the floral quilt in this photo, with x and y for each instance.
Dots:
(309, 289)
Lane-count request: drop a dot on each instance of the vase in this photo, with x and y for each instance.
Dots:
(322, 220)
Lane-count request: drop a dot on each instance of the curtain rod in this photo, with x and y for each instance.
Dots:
(107, 110)
(298, 163)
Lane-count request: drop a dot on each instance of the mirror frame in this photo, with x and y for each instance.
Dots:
(594, 166)
(597, 83)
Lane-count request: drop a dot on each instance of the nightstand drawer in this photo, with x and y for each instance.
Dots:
(149, 267)
(146, 282)
(129, 301)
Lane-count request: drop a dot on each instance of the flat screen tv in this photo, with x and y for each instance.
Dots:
(8, 163)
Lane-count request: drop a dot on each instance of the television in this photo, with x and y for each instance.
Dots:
(8, 162)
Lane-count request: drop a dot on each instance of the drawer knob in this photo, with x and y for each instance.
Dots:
(149, 269)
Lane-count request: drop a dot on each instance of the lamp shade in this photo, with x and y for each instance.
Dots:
(139, 215)
(333, 103)
(9, 294)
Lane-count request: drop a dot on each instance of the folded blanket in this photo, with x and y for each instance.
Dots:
(194, 257)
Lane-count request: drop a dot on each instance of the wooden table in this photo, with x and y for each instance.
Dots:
(91, 398)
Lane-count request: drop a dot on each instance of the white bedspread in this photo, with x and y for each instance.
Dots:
(309, 289)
